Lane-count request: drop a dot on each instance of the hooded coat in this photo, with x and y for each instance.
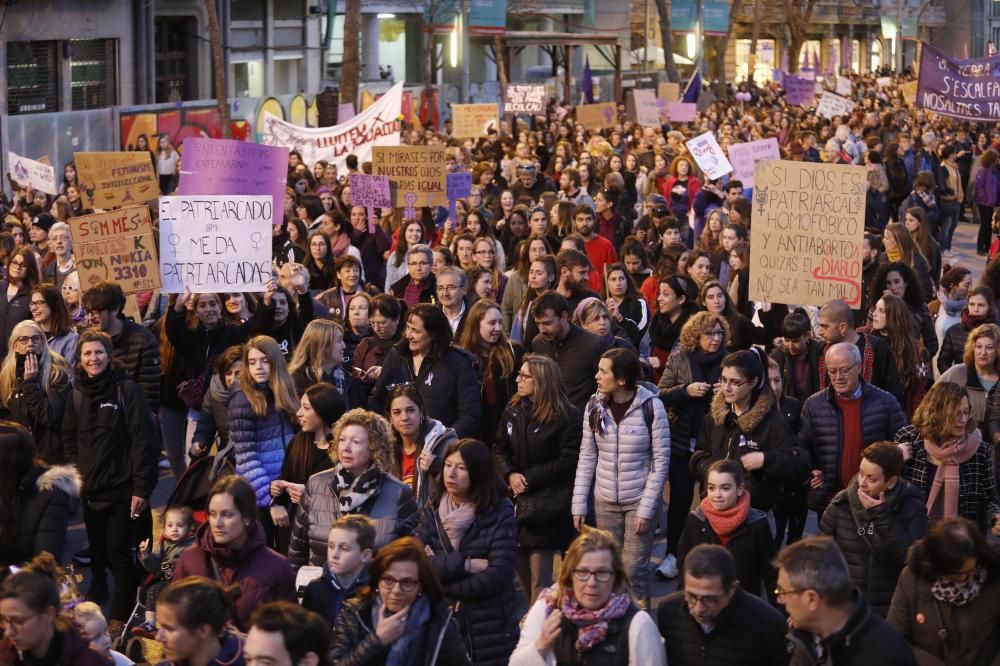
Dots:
(48, 496)
(436, 439)
(759, 429)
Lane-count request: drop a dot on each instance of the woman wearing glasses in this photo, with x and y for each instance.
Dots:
(590, 614)
(470, 532)
(22, 276)
(484, 254)
(49, 311)
(401, 617)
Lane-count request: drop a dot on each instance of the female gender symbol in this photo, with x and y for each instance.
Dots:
(411, 212)
(174, 239)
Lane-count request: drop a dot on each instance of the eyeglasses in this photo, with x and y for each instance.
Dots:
(778, 592)
(447, 288)
(713, 334)
(841, 372)
(735, 383)
(602, 576)
(36, 304)
(387, 583)
(522, 376)
(706, 600)
(16, 263)
(490, 252)
(17, 623)
(25, 339)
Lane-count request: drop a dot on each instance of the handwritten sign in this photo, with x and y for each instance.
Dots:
(413, 169)
(671, 92)
(524, 98)
(800, 90)
(843, 86)
(371, 192)
(831, 105)
(808, 228)
(959, 88)
(35, 173)
(116, 246)
(909, 91)
(682, 112)
(597, 116)
(109, 180)
(221, 166)
(471, 121)
(215, 243)
(645, 110)
(459, 187)
(744, 157)
(707, 153)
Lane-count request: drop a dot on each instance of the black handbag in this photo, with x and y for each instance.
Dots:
(543, 507)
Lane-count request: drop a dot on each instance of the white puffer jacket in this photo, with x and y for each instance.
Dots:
(630, 468)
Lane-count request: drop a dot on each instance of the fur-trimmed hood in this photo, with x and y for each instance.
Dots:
(64, 478)
(748, 420)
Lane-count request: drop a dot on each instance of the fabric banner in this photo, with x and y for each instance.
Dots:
(808, 229)
(959, 88)
(744, 157)
(109, 180)
(212, 244)
(37, 174)
(224, 166)
(377, 125)
(707, 153)
(116, 246)
(682, 112)
(524, 98)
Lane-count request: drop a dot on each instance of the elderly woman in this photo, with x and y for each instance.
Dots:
(948, 459)
(979, 372)
(590, 603)
(419, 284)
(359, 482)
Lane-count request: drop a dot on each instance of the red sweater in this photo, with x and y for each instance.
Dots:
(850, 454)
(601, 252)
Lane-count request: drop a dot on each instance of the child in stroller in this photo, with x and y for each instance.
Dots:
(178, 534)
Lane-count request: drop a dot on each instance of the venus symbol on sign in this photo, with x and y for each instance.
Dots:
(411, 212)
(174, 240)
(255, 239)
(761, 196)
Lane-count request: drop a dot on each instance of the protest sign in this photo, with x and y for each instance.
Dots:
(959, 88)
(909, 91)
(109, 180)
(472, 121)
(376, 125)
(799, 90)
(35, 173)
(843, 86)
(831, 105)
(707, 153)
(524, 98)
(459, 186)
(884, 81)
(371, 192)
(808, 228)
(682, 112)
(224, 166)
(671, 92)
(744, 157)
(419, 170)
(116, 246)
(215, 243)
(644, 108)
(597, 116)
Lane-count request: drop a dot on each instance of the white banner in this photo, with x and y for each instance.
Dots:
(25, 171)
(215, 243)
(707, 153)
(831, 105)
(744, 156)
(378, 125)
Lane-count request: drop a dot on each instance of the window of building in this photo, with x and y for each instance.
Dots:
(32, 77)
(93, 73)
(289, 11)
(251, 10)
(764, 69)
(876, 55)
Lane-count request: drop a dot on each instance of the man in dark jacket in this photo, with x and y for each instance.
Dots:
(528, 183)
(874, 521)
(419, 284)
(871, 248)
(833, 624)
(841, 420)
(135, 348)
(574, 350)
(714, 621)
(878, 366)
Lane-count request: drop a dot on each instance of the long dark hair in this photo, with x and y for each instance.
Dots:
(914, 296)
(486, 488)
(329, 405)
(436, 325)
(17, 455)
(59, 319)
(198, 601)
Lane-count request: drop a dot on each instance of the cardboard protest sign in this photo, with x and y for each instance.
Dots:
(223, 166)
(799, 90)
(416, 170)
(909, 91)
(744, 157)
(959, 88)
(831, 105)
(109, 180)
(524, 98)
(377, 125)
(459, 186)
(35, 173)
(371, 192)
(597, 116)
(843, 86)
(116, 246)
(671, 92)
(682, 112)
(808, 228)
(215, 243)
(706, 152)
(644, 108)
(471, 121)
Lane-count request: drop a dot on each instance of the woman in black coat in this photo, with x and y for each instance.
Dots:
(536, 447)
(445, 375)
(472, 533)
(15, 292)
(414, 624)
(38, 500)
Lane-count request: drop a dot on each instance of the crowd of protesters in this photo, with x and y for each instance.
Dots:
(456, 440)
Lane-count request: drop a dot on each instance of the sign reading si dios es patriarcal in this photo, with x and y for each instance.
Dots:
(808, 226)
(116, 246)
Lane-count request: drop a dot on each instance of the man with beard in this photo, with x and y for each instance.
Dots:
(871, 248)
(570, 190)
(574, 272)
(878, 366)
(600, 251)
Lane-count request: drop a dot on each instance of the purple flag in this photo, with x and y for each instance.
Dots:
(588, 82)
(693, 88)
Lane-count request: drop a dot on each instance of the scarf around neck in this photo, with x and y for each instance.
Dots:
(969, 322)
(894, 254)
(406, 649)
(854, 500)
(951, 306)
(353, 491)
(726, 521)
(959, 594)
(455, 518)
(942, 498)
(592, 625)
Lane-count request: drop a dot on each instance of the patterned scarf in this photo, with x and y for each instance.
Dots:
(867, 363)
(353, 491)
(726, 521)
(959, 594)
(592, 625)
(942, 498)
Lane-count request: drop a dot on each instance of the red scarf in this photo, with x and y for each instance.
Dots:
(969, 322)
(725, 522)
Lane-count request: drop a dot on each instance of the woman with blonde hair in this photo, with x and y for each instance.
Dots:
(358, 483)
(35, 384)
(262, 406)
(483, 337)
(947, 458)
(978, 372)
(900, 246)
(319, 357)
(591, 601)
(892, 322)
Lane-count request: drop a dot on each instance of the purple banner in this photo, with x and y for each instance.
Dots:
(959, 88)
(224, 166)
(799, 90)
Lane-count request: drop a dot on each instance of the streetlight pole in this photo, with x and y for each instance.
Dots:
(465, 51)
(699, 36)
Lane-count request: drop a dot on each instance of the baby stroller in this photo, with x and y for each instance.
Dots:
(191, 490)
